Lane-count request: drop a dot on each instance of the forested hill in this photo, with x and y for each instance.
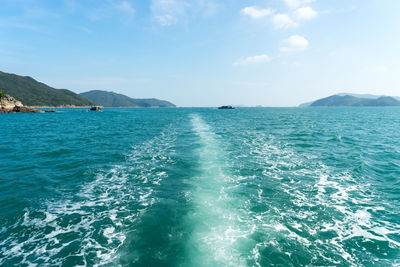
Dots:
(111, 99)
(33, 93)
(352, 101)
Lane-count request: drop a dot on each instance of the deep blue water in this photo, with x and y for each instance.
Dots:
(201, 187)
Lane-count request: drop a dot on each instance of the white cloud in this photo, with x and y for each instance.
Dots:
(166, 19)
(170, 12)
(283, 21)
(296, 3)
(126, 7)
(256, 12)
(305, 13)
(85, 29)
(252, 60)
(166, 12)
(207, 7)
(100, 10)
(295, 43)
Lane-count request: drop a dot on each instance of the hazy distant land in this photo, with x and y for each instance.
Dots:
(111, 99)
(36, 94)
(354, 100)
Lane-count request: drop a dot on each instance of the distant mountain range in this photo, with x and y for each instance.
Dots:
(370, 96)
(33, 93)
(111, 99)
(354, 100)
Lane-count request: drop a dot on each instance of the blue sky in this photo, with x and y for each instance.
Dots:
(206, 52)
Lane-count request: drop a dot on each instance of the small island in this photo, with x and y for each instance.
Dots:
(226, 107)
(349, 100)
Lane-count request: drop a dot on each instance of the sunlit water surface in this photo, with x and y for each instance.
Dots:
(201, 187)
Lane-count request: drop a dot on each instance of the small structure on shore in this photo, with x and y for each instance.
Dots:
(226, 107)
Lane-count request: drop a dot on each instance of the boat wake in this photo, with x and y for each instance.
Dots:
(90, 227)
(216, 222)
(300, 206)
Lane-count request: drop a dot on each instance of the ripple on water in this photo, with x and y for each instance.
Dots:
(311, 213)
(215, 220)
(248, 187)
(90, 227)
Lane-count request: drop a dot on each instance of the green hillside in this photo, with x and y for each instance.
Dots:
(352, 101)
(33, 93)
(111, 99)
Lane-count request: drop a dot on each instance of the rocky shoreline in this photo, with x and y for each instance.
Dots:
(9, 104)
(18, 109)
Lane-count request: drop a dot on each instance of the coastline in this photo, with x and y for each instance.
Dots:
(61, 106)
(91, 106)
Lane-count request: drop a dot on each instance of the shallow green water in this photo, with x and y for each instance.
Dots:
(201, 187)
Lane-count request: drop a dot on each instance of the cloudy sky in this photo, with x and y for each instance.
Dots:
(206, 52)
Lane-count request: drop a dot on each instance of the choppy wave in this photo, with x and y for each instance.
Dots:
(201, 187)
(89, 228)
(311, 213)
(216, 221)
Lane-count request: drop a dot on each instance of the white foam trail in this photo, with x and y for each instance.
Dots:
(335, 199)
(216, 220)
(96, 217)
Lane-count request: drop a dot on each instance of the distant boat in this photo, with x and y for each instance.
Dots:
(95, 108)
(226, 107)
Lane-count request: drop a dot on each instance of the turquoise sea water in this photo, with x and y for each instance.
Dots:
(201, 187)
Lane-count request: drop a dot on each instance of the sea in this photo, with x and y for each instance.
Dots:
(201, 187)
